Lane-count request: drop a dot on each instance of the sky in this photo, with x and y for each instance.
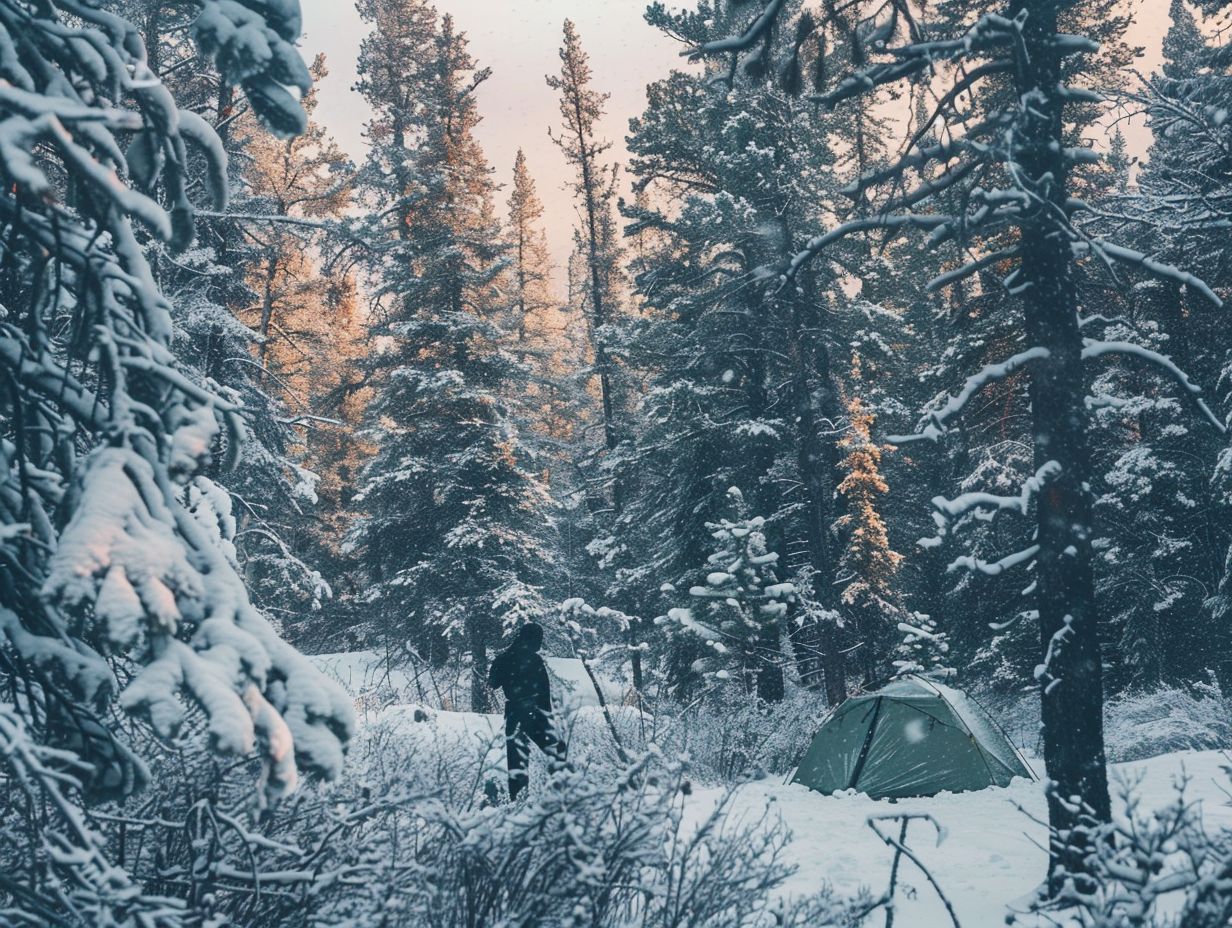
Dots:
(518, 40)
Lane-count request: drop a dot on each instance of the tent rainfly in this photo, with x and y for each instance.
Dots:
(912, 737)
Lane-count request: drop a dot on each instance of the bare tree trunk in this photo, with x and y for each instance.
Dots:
(817, 407)
(481, 697)
(1071, 686)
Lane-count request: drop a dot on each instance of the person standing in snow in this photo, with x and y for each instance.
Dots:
(520, 671)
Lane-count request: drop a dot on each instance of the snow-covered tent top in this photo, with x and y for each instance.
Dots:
(912, 737)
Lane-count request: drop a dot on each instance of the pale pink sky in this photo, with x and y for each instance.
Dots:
(518, 39)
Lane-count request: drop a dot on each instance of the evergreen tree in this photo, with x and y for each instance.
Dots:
(290, 188)
(741, 604)
(581, 108)
(545, 335)
(1169, 535)
(119, 588)
(869, 565)
(451, 536)
(529, 266)
(924, 648)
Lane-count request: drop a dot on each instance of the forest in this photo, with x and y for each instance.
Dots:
(866, 469)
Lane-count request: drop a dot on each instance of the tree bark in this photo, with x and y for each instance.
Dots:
(816, 401)
(481, 697)
(1071, 688)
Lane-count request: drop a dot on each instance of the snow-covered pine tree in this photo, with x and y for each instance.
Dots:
(546, 338)
(554, 403)
(594, 188)
(739, 609)
(596, 298)
(1178, 214)
(869, 564)
(290, 187)
(705, 423)
(120, 587)
(454, 519)
(924, 648)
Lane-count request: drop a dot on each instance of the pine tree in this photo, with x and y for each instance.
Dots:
(740, 606)
(120, 590)
(1185, 48)
(540, 321)
(924, 648)
(530, 267)
(869, 564)
(291, 188)
(451, 536)
(581, 108)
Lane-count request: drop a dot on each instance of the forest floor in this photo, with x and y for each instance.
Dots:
(989, 859)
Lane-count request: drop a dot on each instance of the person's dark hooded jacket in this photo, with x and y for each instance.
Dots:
(521, 672)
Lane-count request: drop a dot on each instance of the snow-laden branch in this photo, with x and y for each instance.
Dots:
(819, 243)
(961, 505)
(1096, 349)
(1158, 268)
(993, 568)
(738, 43)
(936, 420)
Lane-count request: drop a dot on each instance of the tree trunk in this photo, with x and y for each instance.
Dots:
(817, 457)
(1071, 687)
(267, 313)
(770, 685)
(481, 697)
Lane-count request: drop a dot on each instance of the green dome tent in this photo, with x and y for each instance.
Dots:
(912, 737)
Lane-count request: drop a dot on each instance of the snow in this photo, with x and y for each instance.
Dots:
(990, 857)
(992, 853)
(573, 686)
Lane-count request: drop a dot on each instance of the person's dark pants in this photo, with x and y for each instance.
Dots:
(521, 730)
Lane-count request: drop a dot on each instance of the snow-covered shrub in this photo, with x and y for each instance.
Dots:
(600, 845)
(1164, 720)
(416, 837)
(1137, 724)
(1148, 868)
(730, 738)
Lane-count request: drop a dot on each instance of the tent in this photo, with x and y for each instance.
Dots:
(912, 737)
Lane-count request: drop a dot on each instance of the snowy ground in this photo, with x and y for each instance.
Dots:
(991, 854)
